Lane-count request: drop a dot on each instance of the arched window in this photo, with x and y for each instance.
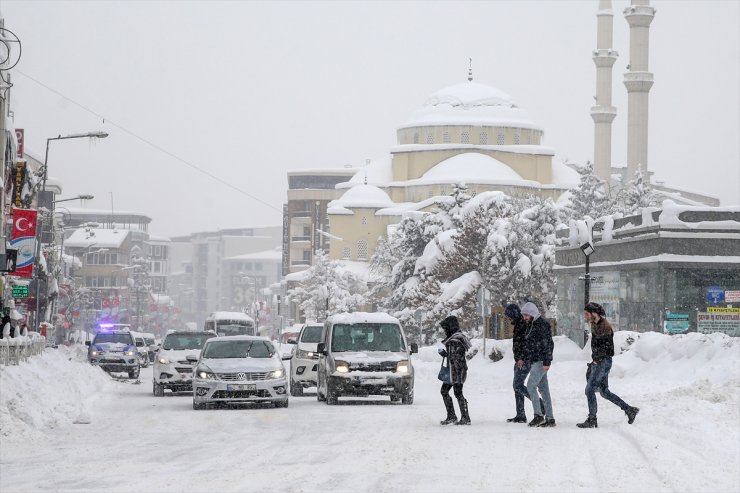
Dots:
(483, 138)
(364, 220)
(362, 249)
(500, 139)
(416, 137)
(346, 253)
(465, 137)
(516, 137)
(446, 137)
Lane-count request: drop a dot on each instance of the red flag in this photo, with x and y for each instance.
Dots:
(23, 239)
(106, 303)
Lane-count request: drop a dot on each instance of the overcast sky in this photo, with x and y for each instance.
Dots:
(248, 90)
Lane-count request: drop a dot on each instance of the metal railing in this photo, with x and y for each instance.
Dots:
(13, 350)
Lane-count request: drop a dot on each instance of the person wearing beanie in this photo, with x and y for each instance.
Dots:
(539, 347)
(521, 366)
(456, 345)
(602, 351)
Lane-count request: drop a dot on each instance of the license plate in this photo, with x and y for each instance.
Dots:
(241, 387)
(374, 380)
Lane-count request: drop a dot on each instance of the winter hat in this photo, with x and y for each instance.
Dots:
(530, 309)
(450, 324)
(594, 308)
(513, 312)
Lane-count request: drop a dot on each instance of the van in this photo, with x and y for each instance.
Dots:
(364, 354)
(230, 324)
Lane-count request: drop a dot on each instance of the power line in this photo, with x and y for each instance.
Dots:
(147, 142)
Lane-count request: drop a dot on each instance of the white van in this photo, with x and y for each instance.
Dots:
(230, 324)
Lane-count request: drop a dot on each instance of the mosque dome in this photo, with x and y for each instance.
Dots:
(470, 103)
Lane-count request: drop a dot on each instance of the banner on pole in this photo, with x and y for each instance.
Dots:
(23, 239)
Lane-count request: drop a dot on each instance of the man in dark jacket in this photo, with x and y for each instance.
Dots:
(456, 345)
(602, 350)
(521, 365)
(539, 347)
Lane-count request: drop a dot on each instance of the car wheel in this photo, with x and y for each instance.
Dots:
(296, 389)
(134, 373)
(198, 406)
(408, 397)
(157, 389)
(283, 403)
(332, 396)
(395, 398)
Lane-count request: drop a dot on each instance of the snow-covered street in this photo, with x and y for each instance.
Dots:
(686, 437)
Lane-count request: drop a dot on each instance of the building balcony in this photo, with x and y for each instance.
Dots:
(300, 239)
(301, 214)
(300, 263)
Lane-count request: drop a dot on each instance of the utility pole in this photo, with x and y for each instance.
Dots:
(3, 143)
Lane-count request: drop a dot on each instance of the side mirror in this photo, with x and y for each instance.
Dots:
(321, 348)
(414, 348)
(87, 343)
(287, 356)
(292, 341)
(191, 358)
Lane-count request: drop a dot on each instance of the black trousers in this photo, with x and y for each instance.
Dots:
(457, 389)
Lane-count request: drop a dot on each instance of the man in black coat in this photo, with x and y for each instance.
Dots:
(456, 346)
(602, 351)
(539, 344)
(521, 365)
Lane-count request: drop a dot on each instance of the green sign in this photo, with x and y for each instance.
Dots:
(20, 291)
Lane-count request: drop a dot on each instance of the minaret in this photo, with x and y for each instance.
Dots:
(603, 112)
(638, 81)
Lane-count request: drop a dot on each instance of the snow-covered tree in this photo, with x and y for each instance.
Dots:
(638, 194)
(590, 197)
(327, 288)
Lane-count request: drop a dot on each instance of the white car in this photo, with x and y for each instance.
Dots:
(303, 364)
(173, 364)
(239, 369)
(142, 348)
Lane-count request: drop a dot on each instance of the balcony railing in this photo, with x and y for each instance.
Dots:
(300, 238)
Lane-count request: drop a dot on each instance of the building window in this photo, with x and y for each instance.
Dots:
(362, 249)
(114, 258)
(483, 138)
(346, 253)
(158, 251)
(516, 138)
(430, 138)
(446, 137)
(528, 136)
(306, 230)
(364, 220)
(416, 137)
(114, 282)
(465, 138)
(500, 139)
(156, 267)
(307, 255)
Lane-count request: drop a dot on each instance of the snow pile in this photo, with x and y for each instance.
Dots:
(49, 392)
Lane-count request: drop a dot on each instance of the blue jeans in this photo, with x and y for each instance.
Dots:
(520, 391)
(599, 380)
(538, 381)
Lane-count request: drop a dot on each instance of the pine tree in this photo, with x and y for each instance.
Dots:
(590, 197)
(637, 195)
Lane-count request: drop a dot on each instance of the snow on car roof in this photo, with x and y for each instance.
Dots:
(238, 338)
(230, 316)
(363, 317)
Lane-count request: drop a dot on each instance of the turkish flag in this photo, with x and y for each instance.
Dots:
(23, 239)
(106, 303)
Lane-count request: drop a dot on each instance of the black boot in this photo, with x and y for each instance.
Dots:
(548, 423)
(631, 414)
(451, 417)
(538, 418)
(589, 423)
(464, 416)
(517, 419)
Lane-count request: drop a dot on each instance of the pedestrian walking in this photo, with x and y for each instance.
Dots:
(521, 365)
(539, 348)
(456, 345)
(602, 351)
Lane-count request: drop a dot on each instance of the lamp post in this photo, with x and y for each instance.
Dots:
(90, 135)
(587, 249)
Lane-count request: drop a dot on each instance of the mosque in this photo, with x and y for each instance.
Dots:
(476, 134)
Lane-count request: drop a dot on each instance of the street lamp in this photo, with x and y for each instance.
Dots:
(587, 249)
(79, 197)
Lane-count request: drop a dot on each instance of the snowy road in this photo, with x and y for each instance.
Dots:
(686, 438)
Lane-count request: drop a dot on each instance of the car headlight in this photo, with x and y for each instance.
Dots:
(403, 366)
(130, 353)
(95, 353)
(206, 375)
(342, 366)
(305, 354)
(277, 373)
(163, 361)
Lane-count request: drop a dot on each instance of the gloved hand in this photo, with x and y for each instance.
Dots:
(442, 352)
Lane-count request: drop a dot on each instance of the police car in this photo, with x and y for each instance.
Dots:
(113, 349)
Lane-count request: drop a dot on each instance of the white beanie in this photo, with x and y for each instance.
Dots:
(530, 309)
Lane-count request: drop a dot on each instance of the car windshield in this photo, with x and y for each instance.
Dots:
(111, 337)
(312, 333)
(367, 337)
(179, 342)
(238, 349)
(150, 341)
(140, 342)
(235, 329)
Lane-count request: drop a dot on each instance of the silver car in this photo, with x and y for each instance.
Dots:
(239, 369)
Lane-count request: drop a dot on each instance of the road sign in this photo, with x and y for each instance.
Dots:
(715, 294)
(20, 292)
(732, 296)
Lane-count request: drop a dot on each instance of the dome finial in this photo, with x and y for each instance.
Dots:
(470, 70)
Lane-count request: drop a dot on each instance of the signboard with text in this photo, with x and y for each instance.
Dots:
(727, 323)
(732, 296)
(20, 137)
(23, 239)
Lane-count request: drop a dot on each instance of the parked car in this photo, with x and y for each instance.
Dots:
(113, 349)
(173, 365)
(304, 361)
(363, 354)
(239, 369)
(151, 343)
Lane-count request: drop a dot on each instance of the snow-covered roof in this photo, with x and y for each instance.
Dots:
(274, 254)
(158, 239)
(360, 196)
(102, 238)
(107, 213)
(469, 167)
(510, 148)
(470, 103)
(377, 172)
(299, 276)
(230, 316)
(564, 175)
(362, 317)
